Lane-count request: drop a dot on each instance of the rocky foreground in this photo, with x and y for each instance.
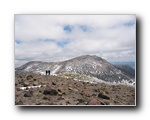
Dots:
(36, 89)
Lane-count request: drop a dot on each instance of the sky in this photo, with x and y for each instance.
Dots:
(54, 38)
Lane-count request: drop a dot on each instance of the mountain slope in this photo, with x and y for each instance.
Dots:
(92, 66)
(127, 70)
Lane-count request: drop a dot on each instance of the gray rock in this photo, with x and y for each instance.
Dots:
(28, 94)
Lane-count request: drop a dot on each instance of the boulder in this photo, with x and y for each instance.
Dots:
(35, 83)
(28, 94)
(26, 83)
(53, 83)
(59, 90)
(50, 92)
(73, 89)
(94, 101)
(29, 77)
(103, 96)
(45, 98)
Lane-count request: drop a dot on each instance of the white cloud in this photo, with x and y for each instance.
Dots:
(109, 36)
(36, 51)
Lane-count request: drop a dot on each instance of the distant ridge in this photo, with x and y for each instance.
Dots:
(130, 63)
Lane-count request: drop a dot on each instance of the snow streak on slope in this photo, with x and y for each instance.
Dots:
(55, 69)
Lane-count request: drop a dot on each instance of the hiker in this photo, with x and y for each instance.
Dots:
(48, 72)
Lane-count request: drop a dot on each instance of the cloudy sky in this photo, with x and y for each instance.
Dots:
(61, 37)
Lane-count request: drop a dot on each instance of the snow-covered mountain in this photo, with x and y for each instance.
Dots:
(88, 65)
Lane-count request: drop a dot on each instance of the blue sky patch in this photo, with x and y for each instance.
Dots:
(129, 24)
(85, 28)
(18, 41)
(47, 40)
(68, 28)
(62, 44)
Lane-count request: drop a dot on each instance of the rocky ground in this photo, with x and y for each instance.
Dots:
(36, 89)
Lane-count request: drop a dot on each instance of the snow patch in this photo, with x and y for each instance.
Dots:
(24, 88)
(41, 72)
(118, 72)
(56, 67)
(125, 82)
(68, 68)
(29, 67)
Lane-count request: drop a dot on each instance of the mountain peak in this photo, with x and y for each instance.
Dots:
(87, 57)
(88, 65)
